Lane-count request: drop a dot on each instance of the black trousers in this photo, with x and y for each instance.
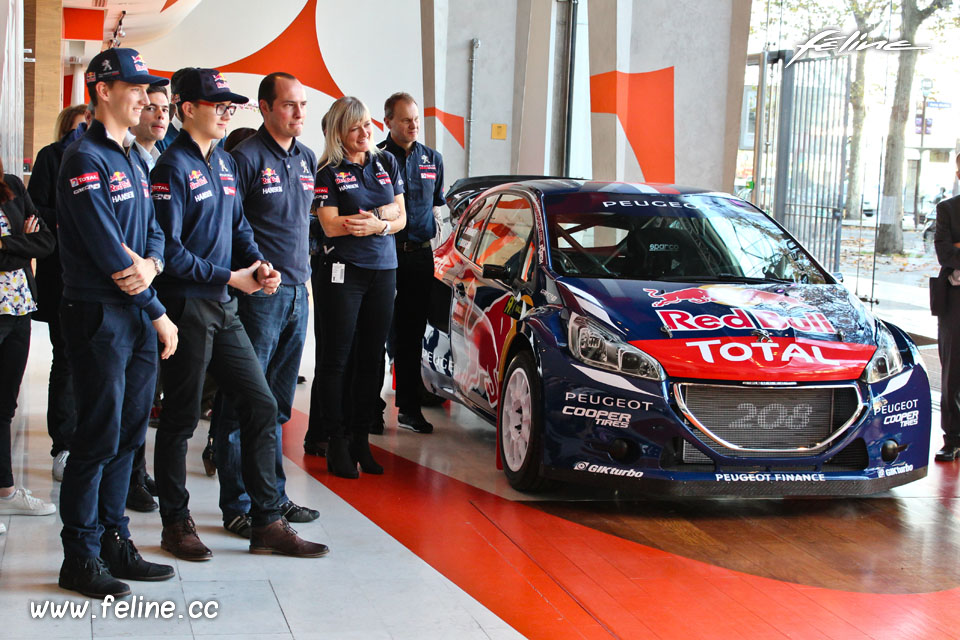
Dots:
(314, 430)
(14, 347)
(414, 283)
(948, 344)
(355, 313)
(211, 338)
(61, 406)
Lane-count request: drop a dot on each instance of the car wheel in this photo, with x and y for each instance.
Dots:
(521, 425)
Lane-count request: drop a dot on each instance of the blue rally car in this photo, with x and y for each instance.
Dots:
(666, 338)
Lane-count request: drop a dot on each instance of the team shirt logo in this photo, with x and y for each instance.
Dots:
(160, 191)
(269, 176)
(85, 182)
(345, 180)
(382, 176)
(119, 181)
(230, 191)
(303, 164)
(196, 180)
(306, 182)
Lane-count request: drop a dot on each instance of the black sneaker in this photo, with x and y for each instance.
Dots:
(124, 561)
(295, 513)
(241, 525)
(90, 577)
(139, 499)
(414, 421)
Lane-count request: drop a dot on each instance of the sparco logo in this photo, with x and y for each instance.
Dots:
(607, 471)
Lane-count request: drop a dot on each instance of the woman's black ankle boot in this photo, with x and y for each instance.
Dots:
(360, 451)
(339, 461)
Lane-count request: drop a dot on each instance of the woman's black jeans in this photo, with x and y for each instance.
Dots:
(14, 347)
(357, 313)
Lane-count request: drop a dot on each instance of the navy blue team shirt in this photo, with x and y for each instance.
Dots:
(201, 215)
(277, 187)
(422, 173)
(103, 200)
(351, 187)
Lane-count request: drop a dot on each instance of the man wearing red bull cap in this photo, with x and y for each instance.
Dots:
(111, 249)
(209, 244)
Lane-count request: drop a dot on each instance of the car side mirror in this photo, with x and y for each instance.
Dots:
(838, 276)
(496, 272)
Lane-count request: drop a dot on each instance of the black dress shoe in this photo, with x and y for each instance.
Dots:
(91, 577)
(339, 461)
(315, 448)
(414, 420)
(150, 484)
(209, 464)
(948, 453)
(139, 499)
(124, 561)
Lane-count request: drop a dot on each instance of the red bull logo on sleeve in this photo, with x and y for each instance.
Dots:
(196, 179)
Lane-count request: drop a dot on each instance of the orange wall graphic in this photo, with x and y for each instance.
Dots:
(453, 123)
(643, 102)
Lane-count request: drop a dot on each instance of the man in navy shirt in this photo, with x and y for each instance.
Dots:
(422, 170)
(275, 176)
(201, 214)
(111, 249)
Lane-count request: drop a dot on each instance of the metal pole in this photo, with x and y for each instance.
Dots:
(916, 182)
(784, 143)
(567, 137)
(758, 140)
(474, 45)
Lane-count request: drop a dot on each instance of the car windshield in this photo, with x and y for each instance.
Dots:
(675, 238)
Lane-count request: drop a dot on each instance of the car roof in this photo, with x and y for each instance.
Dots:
(548, 185)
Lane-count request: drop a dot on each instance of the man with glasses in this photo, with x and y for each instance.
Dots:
(195, 195)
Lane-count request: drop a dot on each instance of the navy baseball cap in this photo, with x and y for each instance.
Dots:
(120, 64)
(209, 85)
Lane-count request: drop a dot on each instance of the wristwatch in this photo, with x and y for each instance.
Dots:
(386, 229)
(158, 264)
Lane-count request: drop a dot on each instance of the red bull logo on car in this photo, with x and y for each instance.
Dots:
(726, 295)
(810, 322)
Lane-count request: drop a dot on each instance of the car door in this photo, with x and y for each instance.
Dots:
(485, 309)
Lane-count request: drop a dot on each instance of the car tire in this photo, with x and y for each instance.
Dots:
(521, 425)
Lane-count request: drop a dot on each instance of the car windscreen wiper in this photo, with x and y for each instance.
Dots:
(725, 277)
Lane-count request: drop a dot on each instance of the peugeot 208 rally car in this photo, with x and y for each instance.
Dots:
(667, 338)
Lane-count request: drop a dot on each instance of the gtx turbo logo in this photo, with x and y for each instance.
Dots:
(894, 471)
(607, 471)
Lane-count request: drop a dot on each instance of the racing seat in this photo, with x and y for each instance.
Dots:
(659, 252)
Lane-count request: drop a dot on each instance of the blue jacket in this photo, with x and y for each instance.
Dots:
(103, 200)
(201, 215)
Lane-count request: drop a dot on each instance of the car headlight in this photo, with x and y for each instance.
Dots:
(593, 344)
(886, 360)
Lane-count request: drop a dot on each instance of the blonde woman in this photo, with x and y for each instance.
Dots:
(360, 205)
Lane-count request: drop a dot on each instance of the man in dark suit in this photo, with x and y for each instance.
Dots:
(947, 243)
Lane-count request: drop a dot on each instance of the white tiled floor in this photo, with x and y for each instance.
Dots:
(369, 586)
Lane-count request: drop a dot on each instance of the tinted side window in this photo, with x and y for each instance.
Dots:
(505, 239)
(471, 227)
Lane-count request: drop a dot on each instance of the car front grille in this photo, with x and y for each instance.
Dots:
(761, 422)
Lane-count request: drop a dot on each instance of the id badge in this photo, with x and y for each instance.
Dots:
(336, 273)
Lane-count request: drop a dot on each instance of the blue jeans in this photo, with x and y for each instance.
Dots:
(112, 350)
(277, 327)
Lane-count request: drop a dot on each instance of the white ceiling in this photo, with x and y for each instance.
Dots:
(143, 20)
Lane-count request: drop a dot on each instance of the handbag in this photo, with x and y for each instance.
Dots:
(938, 295)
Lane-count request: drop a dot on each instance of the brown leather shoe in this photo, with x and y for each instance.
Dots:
(280, 538)
(181, 539)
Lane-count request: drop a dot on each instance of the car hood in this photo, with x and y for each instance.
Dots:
(747, 332)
